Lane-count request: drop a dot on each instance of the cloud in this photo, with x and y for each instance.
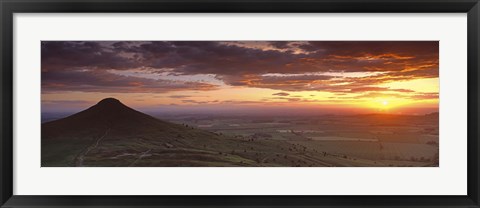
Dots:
(425, 96)
(87, 65)
(286, 82)
(200, 102)
(280, 44)
(376, 89)
(367, 89)
(102, 81)
(179, 96)
(413, 96)
(67, 102)
(194, 101)
(64, 55)
(281, 94)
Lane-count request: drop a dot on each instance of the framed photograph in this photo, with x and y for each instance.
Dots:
(265, 103)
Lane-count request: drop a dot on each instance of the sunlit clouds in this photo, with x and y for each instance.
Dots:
(369, 76)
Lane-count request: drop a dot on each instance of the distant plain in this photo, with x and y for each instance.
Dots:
(245, 141)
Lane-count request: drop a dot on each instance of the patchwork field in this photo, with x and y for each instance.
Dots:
(361, 140)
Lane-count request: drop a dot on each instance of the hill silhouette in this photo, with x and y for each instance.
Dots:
(113, 134)
(110, 122)
(109, 113)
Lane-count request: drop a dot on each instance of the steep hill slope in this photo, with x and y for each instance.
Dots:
(112, 134)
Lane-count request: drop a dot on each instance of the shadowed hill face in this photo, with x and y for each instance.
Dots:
(112, 134)
(109, 113)
(111, 128)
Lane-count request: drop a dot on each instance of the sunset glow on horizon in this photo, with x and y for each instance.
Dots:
(398, 77)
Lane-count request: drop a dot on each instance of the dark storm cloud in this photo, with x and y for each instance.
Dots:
(234, 64)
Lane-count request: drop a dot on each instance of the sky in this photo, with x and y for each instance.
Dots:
(313, 76)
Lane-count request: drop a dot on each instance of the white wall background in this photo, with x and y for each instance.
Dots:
(448, 179)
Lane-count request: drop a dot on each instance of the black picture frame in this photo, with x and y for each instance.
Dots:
(9, 7)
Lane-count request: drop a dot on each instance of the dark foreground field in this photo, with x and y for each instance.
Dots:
(112, 134)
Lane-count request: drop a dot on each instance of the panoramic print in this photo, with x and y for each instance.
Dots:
(240, 103)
